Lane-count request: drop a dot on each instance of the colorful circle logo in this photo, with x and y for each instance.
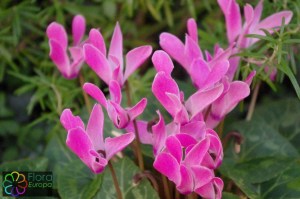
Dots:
(15, 184)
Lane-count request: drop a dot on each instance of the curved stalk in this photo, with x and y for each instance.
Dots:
(115, 180)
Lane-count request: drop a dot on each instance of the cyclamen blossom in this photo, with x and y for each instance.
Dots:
(88, 143)
(58, 42)
(110, 67)
(236, 32)
(121, 117)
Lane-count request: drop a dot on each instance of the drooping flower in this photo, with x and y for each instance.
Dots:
(111, 66)
(88, 143)
(69, 67)
(120, 116)
(236, 32)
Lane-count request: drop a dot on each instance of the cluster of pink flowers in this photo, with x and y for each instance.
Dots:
(187, 150)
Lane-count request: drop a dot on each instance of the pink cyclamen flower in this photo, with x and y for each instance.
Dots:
(111, 66)
(204, 71)
(236, 32)
(88, 143)
(121, 117)
(187, 162)
(58, 42)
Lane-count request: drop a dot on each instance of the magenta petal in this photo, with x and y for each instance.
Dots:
(162, 62)
(192, 29)
(135, 58)
(115, 92)
(96, 93)
(219, 184)
(186, 139)
(217, 72)
(69, 121)
(233, 18)
(76, 54)
(199, 72)
(168, 166)
(78, 29)
(161, 85)
(159, 135)
(117, 114)
(195, 155)
(137, 109)
(186, 185)
(96, 39)
(174, 148)
(117, 144)
(250, 77)
(202, 175)
(95, 127)
(116, 45)
(273, 21)
(195, 129)
(201, 99)
(257, 12)
(57, 32)
(192, 51)
(98, 62)
(60, 58)
(79, 142)
(173, 46)
(99, 163)
(212, 189)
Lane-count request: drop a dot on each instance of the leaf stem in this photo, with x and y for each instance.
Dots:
(253, 101)
(115, 180)
(137, 141)
(85, 96)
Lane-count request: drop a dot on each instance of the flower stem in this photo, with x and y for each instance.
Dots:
(115, 180)
(85, 96)
(253, 102)
(137, 141)
(166, 187)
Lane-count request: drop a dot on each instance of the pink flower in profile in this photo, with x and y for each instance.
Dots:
(121, 117)
(58, 42)
(111, 66)
(88, 143)
(236, 32)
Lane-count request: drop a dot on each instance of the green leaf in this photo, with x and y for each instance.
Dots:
(75, 180)
(125, 170)
(36, 164)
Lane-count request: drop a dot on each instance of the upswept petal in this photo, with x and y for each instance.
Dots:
(96, 39)
(201, 99)
(199, 72)
(69, 121)
(217, 72)
(196, 154)
(94, 127)
(195, 129)
(186, 185)
(174, 148)
(95, 92)
(99, 163)
(192, 29)
(135, 58)
(173, 46)
(161, 85)
(76, 54)
(186, 139)
(211, 190)
(116, 45)
(57, 32)
(117, 144)
(60, 58)
(168, 166)
(78, 29)
(202, 176)
(159, 135)
(250, 77)
(98, 62)
(257, 12)
(115, 92)
(233, 18)
(192, 51)
(79, 142)
(214, 157)
(162, 62)
(137, 109)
